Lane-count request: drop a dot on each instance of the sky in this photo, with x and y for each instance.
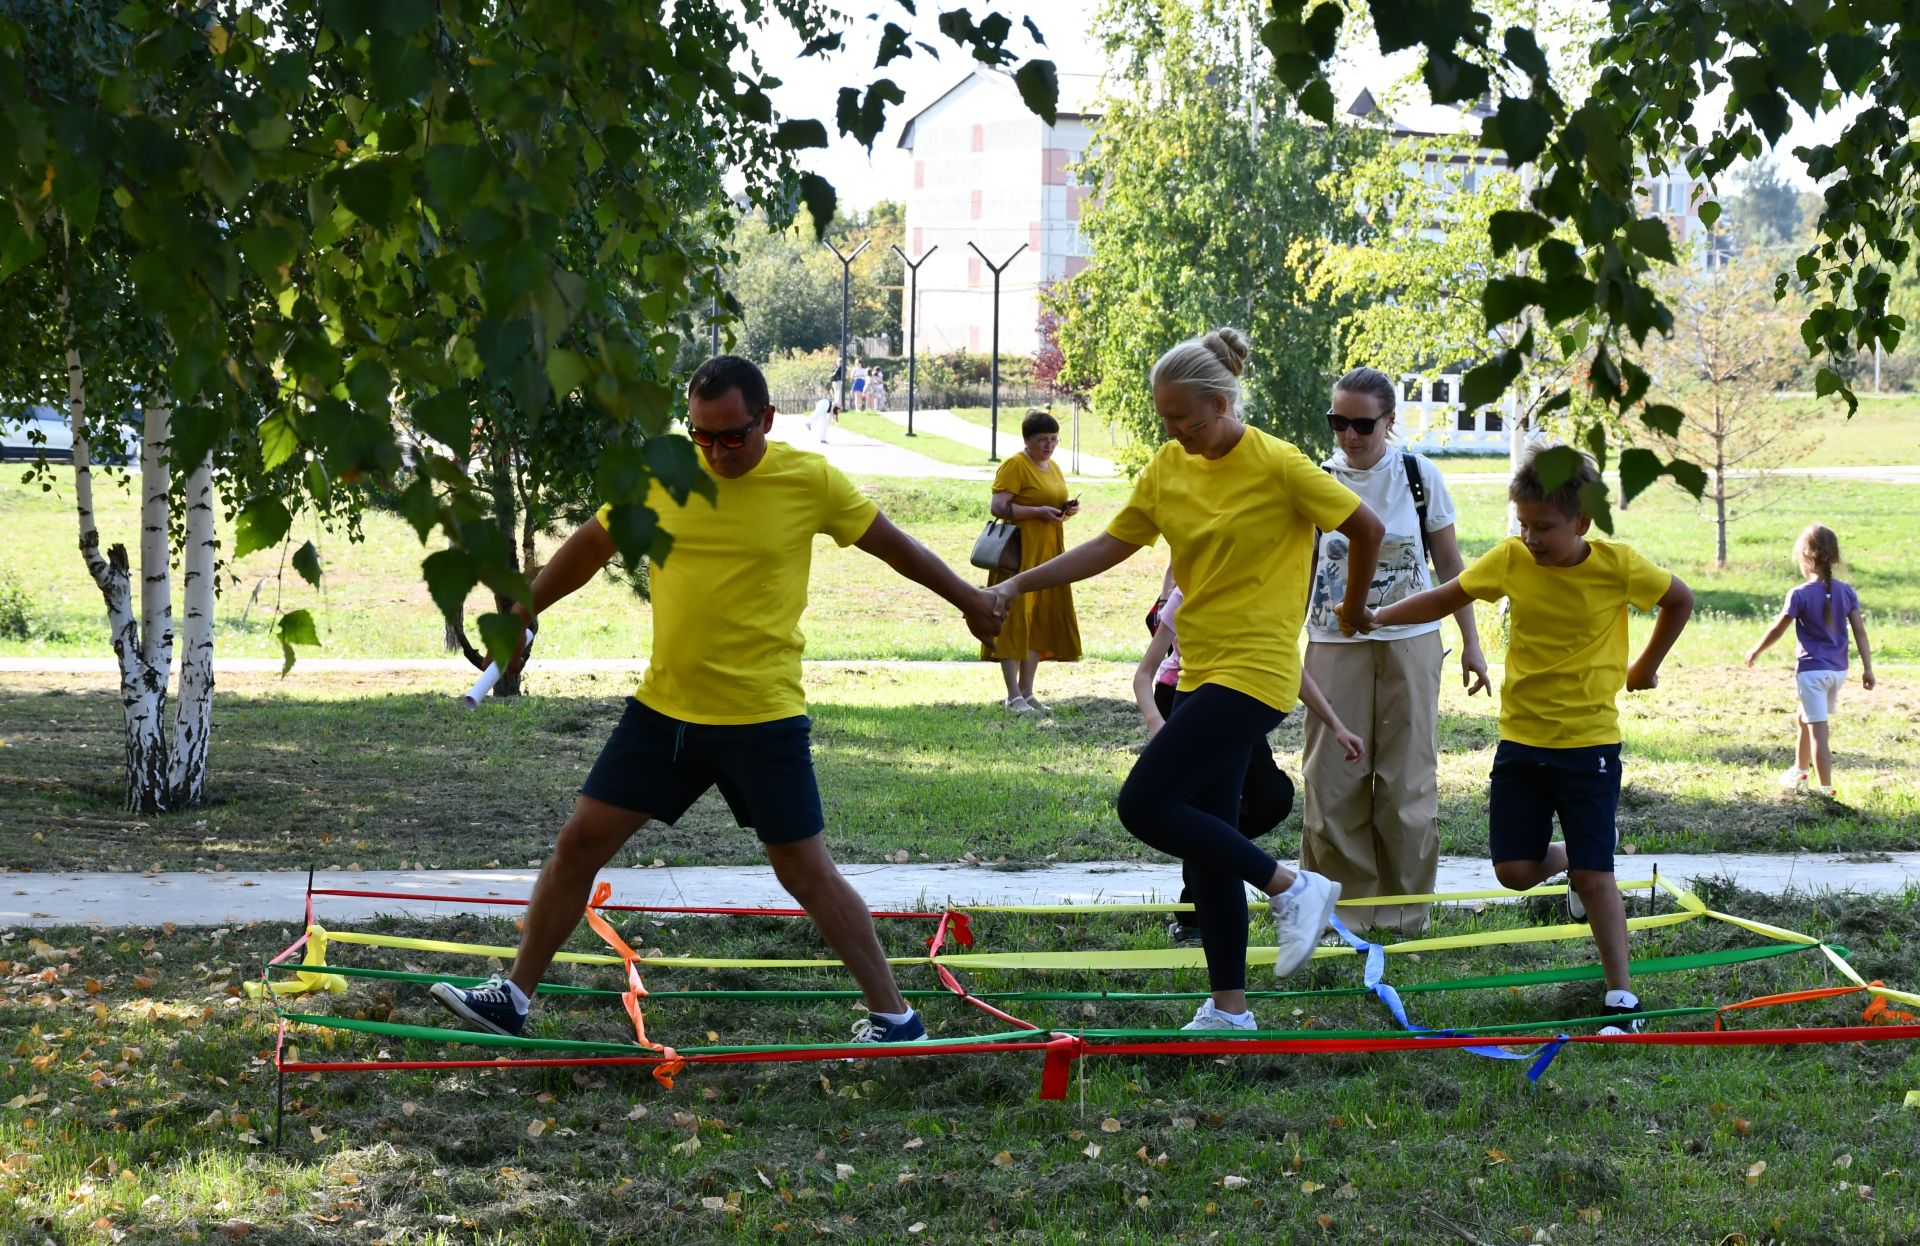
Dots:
(811, 85)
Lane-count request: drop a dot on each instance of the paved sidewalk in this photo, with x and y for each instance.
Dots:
(36, 899)
(967, 433)
(1891, 473)
(863, 456)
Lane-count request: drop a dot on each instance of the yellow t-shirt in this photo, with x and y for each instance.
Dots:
(1241, 530)
(728, 597)
(1567, 649)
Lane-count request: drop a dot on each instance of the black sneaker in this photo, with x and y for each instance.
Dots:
(1622, 1004)
(1182, 936)
(872, 1029)
(488, 1006)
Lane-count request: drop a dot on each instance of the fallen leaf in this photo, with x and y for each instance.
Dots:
(1742, 1126)
(688, 1147)
(842, 1171)
(1347, 1191)
(1003, 1160)
(409, 1108)
(918, 1226)
(712, 1203)
(914, 1144)
(1233, 1182)
(1110, 1126)
(639, 1112)
(1592, 1215)
(1143, 1202)
(536, 1128)
(1311, 1187)
(1845, 1161)
(1324, 1220)
(1092, 1150)
(1496, 1156)
(1754, 1172)
(319, 1134)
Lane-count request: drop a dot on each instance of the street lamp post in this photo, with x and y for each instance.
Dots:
(913, 321)
(846, 283)
(993, 453)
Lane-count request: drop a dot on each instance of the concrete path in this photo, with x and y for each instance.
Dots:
(453, 668)
(967, 433)
(1891, 473)
(36, 899)
(863, 456)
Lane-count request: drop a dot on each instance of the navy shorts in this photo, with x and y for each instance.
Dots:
(659, 766)
(1532, 785)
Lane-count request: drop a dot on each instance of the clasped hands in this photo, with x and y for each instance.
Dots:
(988, 613)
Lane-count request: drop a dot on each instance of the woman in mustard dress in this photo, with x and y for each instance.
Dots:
(1031, 490)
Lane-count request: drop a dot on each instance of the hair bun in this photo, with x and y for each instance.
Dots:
(1229, 346)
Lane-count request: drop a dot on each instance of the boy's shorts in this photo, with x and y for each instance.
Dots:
(1531, 785)
(1819, 693)
(659, 766)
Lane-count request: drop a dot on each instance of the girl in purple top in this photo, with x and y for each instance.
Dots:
(1821, 610)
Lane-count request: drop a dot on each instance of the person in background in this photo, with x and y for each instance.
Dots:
(1031, 491)
(1821, 610)
(1375, 829)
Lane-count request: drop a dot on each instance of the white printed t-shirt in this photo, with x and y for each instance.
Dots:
(1403, 570)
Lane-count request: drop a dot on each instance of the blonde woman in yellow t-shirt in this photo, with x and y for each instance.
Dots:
(1238, 508)
(1031, 490)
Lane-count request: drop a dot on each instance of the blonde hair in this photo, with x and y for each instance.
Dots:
(1819, 546)
(1527, 486)
(1211, 364)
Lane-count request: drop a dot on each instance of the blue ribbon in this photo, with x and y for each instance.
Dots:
(1375, 979)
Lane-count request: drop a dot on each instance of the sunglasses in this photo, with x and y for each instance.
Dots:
(1340, 424)
(731, 438)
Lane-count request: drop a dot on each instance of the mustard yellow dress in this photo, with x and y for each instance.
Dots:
(1042, 622)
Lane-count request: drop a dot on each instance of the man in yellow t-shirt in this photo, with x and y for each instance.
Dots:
(1559, 751)
(721, 703)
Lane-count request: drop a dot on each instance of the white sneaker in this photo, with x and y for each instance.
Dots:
(1033, 703)
(1207, 1017)
(1300, 919)
(1016, 705)
(1792, 777)
(1818, 790)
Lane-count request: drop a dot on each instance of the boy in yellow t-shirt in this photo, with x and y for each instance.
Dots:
(1559, 751)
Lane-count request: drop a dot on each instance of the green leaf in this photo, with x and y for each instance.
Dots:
(794, 135)
(1556, 465)
(306, 560)
(865, 118)
(1452, 78)
(1594, 505)
(500, 635)
(1850, 58)
(1689, 476)
(1826, 382)
(1667, 419)
(636, 533)
(446, 418)
(260, 525)
(674, 462)
(1317, 100)
(193, 432)
(1638, 469)
(1509, 230)
(1504, 298)
(1039, 83)
(818, 194)
(565, 370)
(294, 628)
(1709, 212)
(451, 575)
(371, 191)
(894, 43)
(1651, 238)
(1518, 127)
(1523, 52)
(1482, 385)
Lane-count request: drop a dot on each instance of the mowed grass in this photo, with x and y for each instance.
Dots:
(373, 603)
(144, 1108)
(385, 771)
(941, 449)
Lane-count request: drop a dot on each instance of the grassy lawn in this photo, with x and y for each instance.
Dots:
(145, 1093)
(877, 426)
(328, 769)
(1098, 436)
(375, 605)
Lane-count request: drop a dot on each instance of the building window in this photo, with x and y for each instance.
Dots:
(973, 209)
(919, 175)
(979, 138)
(919, 239)
(973, 271)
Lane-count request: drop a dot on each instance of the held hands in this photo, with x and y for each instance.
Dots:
(1362, 621)
(1473, 671)
(987, 614)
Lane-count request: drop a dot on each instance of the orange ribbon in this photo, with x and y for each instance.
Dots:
(670, 1063)
(1877, 1012)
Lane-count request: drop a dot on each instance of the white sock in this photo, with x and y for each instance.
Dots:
(1298, 886)
(518, 996)
(1218, 1011)
(1622, 999)
(891, 1018)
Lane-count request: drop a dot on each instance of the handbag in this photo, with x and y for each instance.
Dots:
(997, 548)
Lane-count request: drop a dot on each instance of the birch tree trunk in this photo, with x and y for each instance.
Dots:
(142, 688)
(193, 708)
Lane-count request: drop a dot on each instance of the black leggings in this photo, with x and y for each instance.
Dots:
(1184, 798)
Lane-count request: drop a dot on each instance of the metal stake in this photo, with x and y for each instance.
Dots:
(993, 452)
(913, 321)
(846, 285)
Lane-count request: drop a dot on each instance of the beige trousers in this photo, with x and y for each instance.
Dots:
(1373, 825)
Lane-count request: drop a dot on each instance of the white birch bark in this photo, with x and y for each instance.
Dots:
(141, 692)
(156, 516)
(193, 708)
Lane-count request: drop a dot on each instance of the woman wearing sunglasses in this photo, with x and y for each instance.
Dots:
(1239, 508)
(1374, 828)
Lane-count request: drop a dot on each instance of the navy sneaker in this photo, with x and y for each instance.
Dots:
(872, 1029)
(1182, 935)
(488, 1006)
